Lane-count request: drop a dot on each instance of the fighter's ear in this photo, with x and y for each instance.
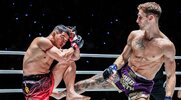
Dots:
(54, 32)
(150, 17)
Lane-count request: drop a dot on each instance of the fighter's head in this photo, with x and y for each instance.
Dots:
(150, 8)
(61, 28)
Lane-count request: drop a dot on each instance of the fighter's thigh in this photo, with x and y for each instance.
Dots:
(143, 99)
(58, 72)
(139, 96)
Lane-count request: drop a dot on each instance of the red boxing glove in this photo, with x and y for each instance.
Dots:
(74, 45)
(73, 38)
(77, 41)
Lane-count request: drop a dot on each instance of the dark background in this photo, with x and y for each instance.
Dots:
(103, 24)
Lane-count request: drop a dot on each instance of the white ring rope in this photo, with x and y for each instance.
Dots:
(61, 89)
(77, 72)
(82, 54)
(21, 72)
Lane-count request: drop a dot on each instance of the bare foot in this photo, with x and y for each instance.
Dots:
(78, 97)
(58, 96)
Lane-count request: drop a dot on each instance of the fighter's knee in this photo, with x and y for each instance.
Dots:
(73, 63)
(66, 64)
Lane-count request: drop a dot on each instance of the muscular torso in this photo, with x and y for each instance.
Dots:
(147, 55)
(35, 60)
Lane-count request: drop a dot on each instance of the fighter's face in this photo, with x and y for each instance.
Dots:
(142, 19)
(61, 39)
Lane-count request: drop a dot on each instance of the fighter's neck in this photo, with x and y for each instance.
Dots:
(152, 32)
(50, 37)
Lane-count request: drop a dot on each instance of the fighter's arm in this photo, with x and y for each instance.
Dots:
(121, 60)
(51, 50)
(75, 56)
(170, 67)
(77, 42)
(179, 91)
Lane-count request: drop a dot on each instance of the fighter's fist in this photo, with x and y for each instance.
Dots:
(73, 32)
(168, 98)
(77, 41)
(112, 69)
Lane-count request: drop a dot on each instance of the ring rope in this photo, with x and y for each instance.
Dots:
(58, 89)
(21, 72)
(77, 72)
(81, 54)
(61, 89)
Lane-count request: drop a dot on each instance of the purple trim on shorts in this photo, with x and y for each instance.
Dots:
(130, 82)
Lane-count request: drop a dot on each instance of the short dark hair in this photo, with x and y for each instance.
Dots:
(62, 28)
(150, 8)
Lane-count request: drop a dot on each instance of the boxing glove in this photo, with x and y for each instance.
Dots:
(112, 69)
(168, 98)
(73, 32)
(77, 42)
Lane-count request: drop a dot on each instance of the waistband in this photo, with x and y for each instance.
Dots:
(133, 73)
(36, 76)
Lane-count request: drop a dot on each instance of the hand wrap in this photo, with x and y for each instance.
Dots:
(109, 71)
(168, 98)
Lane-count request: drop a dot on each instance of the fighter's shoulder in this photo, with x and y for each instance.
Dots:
(166, 42)
(167, 45)
(136, 32)
(43, 43)
(42, 39)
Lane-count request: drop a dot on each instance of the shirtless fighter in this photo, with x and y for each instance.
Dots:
(147, 49)
(39, 81)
